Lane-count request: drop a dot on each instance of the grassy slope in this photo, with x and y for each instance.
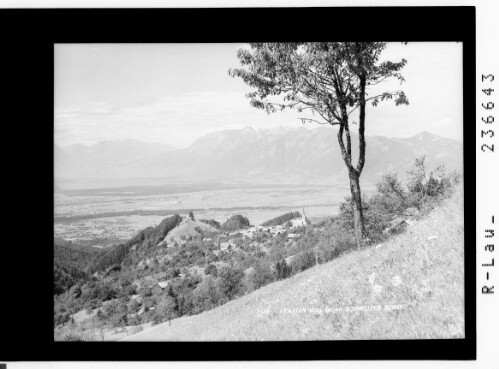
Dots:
(430, 292)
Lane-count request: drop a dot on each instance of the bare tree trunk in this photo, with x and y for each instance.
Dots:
(346, 152)
(354, 174)
(358, 216)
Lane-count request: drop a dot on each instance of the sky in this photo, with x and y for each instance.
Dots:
(176, 93)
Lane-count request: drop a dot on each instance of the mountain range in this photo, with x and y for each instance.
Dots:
(283, 155)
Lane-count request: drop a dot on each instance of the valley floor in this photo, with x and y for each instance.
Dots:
(410, 287)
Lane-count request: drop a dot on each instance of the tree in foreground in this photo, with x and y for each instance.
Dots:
(328, 79)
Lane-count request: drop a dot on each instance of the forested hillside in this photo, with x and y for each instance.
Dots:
(70, 262)
(140, 244)
(281, 219)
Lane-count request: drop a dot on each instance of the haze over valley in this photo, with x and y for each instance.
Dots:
(278, 155)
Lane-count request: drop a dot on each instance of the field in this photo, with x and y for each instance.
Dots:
(105, 231)
(410, 287)
(103, 218)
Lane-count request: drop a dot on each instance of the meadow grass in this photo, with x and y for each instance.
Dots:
(409, 287)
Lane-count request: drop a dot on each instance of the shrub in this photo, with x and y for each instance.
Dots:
(119, 319)
(303, 261)
(134, 320)
(425, 187)
(260, 276)
(207, 295)
(392, 194)
(230, 281)
(165, 309)
(393, 199)
(334, 240)
(136, 329)
(61, 318)
(282, 270)
(211, 269)
(111, 308)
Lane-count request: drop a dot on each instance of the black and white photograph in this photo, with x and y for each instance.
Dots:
(219, 184)
(273, 191)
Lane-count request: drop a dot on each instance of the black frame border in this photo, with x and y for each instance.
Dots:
(29, 36)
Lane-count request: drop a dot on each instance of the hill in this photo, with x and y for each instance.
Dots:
(136, 248)
(410, 287)
(187, 229)
(77, 255)
(70, 262)
(236, 222)
(265, 156)
(66, 276)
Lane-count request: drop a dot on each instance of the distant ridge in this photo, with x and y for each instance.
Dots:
(267, 156)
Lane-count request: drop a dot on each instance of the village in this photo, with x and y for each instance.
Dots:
(218, 248)
(218, 243)
(251, 232)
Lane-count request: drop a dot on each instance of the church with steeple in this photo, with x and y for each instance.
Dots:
(299, 222)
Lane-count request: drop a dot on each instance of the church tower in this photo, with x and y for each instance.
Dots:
(304, 219)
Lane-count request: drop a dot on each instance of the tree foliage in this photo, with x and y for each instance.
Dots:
(282, 270)
(207, 294)
(327, 80)
(323, 77)
(235, 223)
(230, 281)
(66, 276)
(260, 276)
(281, 219)
(303, 261)
(212, 222)
(144, 239)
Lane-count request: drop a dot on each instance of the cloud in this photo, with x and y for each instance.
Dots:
(174, 119)
(433, 86)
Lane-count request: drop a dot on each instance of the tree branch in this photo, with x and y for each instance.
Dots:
(362, 118)
(346, 158)
(332, 123)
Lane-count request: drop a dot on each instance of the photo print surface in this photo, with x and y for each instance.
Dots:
(258, 192)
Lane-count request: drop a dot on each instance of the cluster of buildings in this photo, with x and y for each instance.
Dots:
(227, 239)
(250, 232)
(276, 230)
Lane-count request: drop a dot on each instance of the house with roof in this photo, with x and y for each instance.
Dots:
(137, 298)
(248, 233)
(276, 231)
(225, 245)
(159, 287)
